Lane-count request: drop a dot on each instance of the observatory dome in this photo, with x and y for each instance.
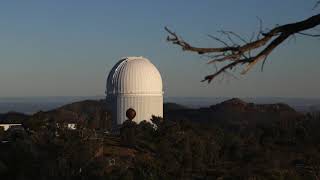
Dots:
(134, 83)
(134, 75)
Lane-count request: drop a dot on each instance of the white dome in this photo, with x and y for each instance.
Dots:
(134, 75)
(134, 82)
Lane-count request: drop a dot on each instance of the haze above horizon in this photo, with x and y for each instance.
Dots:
(64, 48)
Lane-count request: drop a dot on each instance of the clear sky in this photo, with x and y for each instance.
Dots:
(65, 47)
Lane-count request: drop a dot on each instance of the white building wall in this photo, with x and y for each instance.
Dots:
(72, 126)
(144, 105)
(7, 126)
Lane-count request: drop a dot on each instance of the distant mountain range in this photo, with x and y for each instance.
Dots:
(97, 113)
(30, 105)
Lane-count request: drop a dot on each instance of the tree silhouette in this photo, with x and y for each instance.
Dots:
(249, 52)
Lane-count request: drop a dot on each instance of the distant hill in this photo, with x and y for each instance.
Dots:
(93, 113)
(237, 111)
(30, 105)
(173, 106)
(13, 117)
(97, 113)
(238, 105)
(315, 108)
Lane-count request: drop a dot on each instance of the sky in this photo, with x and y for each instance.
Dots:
(67, 47)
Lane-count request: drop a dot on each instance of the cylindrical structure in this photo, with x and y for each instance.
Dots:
(134, 82)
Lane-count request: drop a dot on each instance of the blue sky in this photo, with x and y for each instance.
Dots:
(66, 48)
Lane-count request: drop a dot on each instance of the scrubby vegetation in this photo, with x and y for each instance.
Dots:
(231, 148)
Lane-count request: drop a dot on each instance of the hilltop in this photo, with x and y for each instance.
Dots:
(13, 117)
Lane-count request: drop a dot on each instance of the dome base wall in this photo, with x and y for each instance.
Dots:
(145, 107)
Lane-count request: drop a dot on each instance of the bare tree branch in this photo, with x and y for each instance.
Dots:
(311, 35)
(238, 55)
(260, 27)
(237, 36)
(217, 39)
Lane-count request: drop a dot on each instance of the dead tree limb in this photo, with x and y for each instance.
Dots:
(237, 55)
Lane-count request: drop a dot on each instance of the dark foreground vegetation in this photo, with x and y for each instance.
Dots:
(231, 140)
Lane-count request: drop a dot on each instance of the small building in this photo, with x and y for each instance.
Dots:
(134, 82)
(72, 126)
(7, 126)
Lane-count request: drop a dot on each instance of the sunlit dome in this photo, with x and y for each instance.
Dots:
(134, 75)
(134, 83)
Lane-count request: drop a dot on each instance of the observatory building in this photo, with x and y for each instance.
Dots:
(134, 83)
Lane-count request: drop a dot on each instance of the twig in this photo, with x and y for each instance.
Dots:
(311, 35)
